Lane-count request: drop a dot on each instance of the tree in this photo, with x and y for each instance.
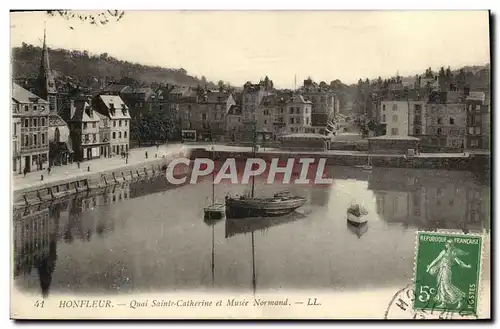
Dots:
(100, 18)
(220, 84)
(441, 72)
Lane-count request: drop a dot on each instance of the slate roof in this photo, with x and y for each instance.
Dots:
(81, 113)
(21, 95)
(56, 121)
(118, 106)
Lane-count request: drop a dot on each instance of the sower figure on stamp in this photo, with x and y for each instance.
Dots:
(447, 293)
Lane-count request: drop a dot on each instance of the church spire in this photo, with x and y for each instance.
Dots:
(46, 86)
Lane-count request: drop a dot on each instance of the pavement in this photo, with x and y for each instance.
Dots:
(136, 156)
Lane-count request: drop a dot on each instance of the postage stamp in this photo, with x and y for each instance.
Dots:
(447, 272)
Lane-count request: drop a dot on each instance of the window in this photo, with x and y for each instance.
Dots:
(93, 124)
(307, 110)
(439, 131)
(471, 130)
(440, 121)
(417, 131)
(14, 126)
(265, 122)
(119, 134)
(394, 118)
(26, 123)
(394, 107)
(114, 123)
(125, 123)
(94, 137)
(478, 107)
(204, 116)
(43, 122)
(114, 135)
(418, 108)
(297, 110)
(84, 125)
(307, 120)
(291, 110)
(477, 119)
(26, 108)
(43, 108)
(474, 143)
(477, 130)
(383, 118)
(125, 133)
(26, 140)
(35, 122)
(452, 121)
(34, 108)
(43, 139)
(291, 121)
(394, 131)
(35, 139)
(383, 107)
(120, 123)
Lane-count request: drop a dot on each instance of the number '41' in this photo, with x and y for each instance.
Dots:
(39, 303)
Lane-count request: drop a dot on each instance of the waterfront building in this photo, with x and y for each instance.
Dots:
(446, 122)
(234, 124)
(252, 96)
(216, 105)
(298, 114)
(104, 135)
(117, 112)
(84, 125)
(16, 139)
(394, 114)
(325, 106)
(477, 110)
(33, 112)
(417, 118)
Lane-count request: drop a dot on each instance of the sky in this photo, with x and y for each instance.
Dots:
(240, 46)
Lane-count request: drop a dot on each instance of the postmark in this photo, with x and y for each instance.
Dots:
(447, 272)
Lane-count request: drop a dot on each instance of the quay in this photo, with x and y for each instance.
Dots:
(31, 190)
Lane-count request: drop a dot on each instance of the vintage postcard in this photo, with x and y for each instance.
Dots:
(250, 165)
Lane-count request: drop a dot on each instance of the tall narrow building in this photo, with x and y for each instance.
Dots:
(46, 83)
(58, 133)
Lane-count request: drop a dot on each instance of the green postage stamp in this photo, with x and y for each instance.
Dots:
(447, 272)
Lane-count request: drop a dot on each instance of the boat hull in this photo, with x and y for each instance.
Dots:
(356, 220)
(236, 208)
(215, 211)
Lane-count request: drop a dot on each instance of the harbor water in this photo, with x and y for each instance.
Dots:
(149, 236)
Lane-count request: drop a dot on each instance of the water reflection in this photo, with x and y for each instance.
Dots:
(37, 230)
(122, 241)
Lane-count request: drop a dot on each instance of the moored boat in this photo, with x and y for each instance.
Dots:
(356, 214)
(215, 210)
(262, 207)
(280, 204)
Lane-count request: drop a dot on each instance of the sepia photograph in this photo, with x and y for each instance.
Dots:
(277, 164)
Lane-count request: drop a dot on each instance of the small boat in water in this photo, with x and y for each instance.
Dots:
(356, 214)
(280, 204)
(214, 210)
